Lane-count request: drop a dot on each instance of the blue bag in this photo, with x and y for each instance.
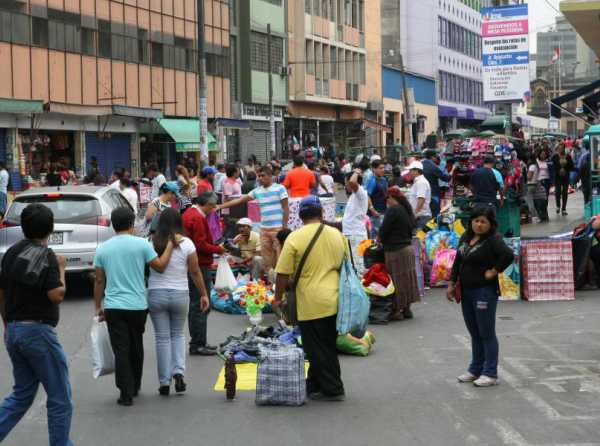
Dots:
(353, 303)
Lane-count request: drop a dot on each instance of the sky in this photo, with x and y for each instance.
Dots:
(541, 15)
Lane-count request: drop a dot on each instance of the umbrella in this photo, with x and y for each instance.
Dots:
(487, 134)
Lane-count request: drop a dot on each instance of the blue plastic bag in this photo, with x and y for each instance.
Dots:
(353, 303)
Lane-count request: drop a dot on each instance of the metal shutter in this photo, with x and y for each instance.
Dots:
(112, 153)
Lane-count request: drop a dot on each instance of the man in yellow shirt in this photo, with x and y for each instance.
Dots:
(317, 295)
(248, 243)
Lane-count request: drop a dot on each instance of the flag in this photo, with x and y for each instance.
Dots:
(556, 55)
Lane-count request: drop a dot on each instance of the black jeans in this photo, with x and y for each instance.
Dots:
(595, 257)
(561, 191)
(126, 330)
(318, 339)
(197, 320)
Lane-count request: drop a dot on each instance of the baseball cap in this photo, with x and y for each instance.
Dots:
(244, 222)
(170, 186)
(375, 158)
(418, 165)
(208, 170)
(310, 202)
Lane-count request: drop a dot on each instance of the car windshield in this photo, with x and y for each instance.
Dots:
(66, 208)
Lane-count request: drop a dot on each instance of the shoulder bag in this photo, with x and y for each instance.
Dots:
(290, 306)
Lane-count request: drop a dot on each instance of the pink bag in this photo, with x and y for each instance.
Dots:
(214, 224)
(442, 267)
(254, 211)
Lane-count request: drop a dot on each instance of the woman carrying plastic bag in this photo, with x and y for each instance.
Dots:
(103, 358)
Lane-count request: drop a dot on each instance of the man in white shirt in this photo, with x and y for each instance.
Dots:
(158, 179)
(420, 194)
(129, 193)
(354, 224)
(4, 179)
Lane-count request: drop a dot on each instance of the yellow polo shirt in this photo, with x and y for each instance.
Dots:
(318, 288)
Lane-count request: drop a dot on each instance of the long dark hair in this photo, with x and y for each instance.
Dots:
(403, 202)
(489, 214)
(169, 225)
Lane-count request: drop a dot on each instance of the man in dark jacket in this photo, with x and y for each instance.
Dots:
(484, 184)
(434, 175)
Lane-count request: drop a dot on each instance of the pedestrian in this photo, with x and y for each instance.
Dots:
(183, 176)
(126, 189)
(115, 180)
(206, 183)
(168, 192)
(120, 297)
(481, 256)
(396, 235)
(4, 180)
(220, 176)
(434, 175)
(485, 185)
(274, 213)
(563, 165)
(29, 308)
(326, 188)
(354, 222)
(377, 187)
(196, 227)
(584, 174)
(317, 294)
(420, 194)
(250, 183)
(299, 180)
(157, 178)
(169, 299)
(544, 170)
(231, 189)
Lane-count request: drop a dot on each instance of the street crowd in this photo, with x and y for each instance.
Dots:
(202, 213)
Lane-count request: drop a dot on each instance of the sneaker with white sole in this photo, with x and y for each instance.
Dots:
(467, 378)
(485, 381)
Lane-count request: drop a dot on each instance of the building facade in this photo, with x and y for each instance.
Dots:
(90, 79)
(250, 20)
(335, 74)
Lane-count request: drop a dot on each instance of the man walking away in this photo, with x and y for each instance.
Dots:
(434, 175)
(420, 194)
(4, 180)
(377, 187)
(484, 184)
(195, 225)
(29, 298)
(317, 296)
(120, 263)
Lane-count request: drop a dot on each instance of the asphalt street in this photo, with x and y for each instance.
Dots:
(405, 393)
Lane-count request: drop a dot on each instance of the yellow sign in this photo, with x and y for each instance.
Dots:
(246, 377)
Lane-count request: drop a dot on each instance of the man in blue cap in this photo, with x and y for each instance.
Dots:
(317, 293)
(207, 179)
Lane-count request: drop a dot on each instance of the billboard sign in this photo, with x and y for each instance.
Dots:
(505, 42)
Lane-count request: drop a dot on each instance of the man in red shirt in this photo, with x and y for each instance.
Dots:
(299, 180)
(207, 178)
(196, 228)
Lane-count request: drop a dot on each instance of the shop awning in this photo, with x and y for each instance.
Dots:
(498, 121)
(20, 106)
(186, 134)
(80, 110)
(571, 96)
(137, 112)
(239, 124)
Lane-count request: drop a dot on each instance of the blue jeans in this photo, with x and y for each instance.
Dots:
(479, 311)
(198, 320)
(37, 357)
(376, 223)
(168, 311)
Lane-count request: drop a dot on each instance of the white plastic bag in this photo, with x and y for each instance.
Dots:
(103, 358)
(225, 280)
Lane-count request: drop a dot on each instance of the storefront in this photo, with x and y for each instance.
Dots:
(41, 151)
(110, 151)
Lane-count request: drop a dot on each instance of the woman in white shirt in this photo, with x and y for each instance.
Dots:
(169, 299)
(326, 184)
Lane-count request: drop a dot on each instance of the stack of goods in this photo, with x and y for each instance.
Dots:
(547, 270)
(248, 298)
(352, 345)
(440, 249)
(510, 279)
(377, 281)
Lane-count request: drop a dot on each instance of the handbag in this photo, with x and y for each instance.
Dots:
(290, 306)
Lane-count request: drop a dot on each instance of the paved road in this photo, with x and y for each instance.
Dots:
(405, 393)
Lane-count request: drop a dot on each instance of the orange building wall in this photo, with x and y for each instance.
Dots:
(57, 76)
(373, 45)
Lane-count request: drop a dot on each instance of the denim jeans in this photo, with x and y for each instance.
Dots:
(168, 311)
(37, 357)
(376, 223)
(197, 320)
(479, 311)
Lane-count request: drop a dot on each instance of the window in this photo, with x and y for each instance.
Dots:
(131, 49)
(56, 35)
(341, 65)
(88, 41)
(363, 69)
(310, 57)
(169, 56)
(316, 7)
(307, 6)
(333, 63)
(39, 32)
(234, 88)
(72, 38)
(258, 51)
(157, 54)
(20, 28)
(143, 46)
(104, 40)
(5, 17)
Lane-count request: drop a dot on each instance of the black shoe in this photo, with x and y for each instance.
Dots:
(210, 347)
(180, 385)
(318, 396)
(565, 213)
(125, 401)
(202, 351)
(557, 211)
(164, 390)
(136, 392)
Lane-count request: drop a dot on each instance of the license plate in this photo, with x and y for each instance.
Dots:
(56, 238)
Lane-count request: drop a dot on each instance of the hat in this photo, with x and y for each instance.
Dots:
(416, 165)
(208, 170)
(310, 202)
(244, 222)
(170, 186)
(375, 158)
(395, 191)
(489, 159)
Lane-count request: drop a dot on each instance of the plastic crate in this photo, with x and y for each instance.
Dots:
(509, 220)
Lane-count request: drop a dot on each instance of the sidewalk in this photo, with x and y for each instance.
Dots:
(558, 224)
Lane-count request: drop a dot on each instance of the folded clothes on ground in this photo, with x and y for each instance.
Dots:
(378, 274)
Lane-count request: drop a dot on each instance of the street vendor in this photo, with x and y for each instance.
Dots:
(248, 244)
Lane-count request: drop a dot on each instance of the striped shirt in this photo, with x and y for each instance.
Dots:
(269, 200)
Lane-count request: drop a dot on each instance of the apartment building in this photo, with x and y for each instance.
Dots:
(335, 88)
(91, 80)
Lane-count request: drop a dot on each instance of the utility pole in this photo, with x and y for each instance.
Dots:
(202, 85)
(271, 107)
(407, 134)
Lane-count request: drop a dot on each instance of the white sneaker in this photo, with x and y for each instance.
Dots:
(485, 381)
(467, 378)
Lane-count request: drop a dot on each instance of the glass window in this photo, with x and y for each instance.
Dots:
(5, 26)
(131, 49)
(39, 35)
(72, 38)
(20, 28)
(143, 46)
(117, 46)
(333, 63)
(104, 39)
(310, 60)
(362, 69)
(169, 56)
(88, 41)
(157, 54)
(56, 35)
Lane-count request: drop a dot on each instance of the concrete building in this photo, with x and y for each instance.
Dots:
(250, 76)
(91, 79)
(335, 74)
